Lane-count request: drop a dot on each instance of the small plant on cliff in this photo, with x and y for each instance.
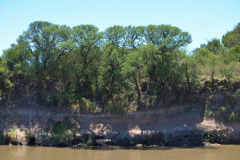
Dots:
(90, 139)
(208, 112)
(87, 104)
(225, 134)
(30, 138)
(28, 134)
(58, 133)
(165, 141)
(236, 93)
(233, 117)
(83, 140)
(207, 137)
(131, 141)
(12, 135)
(116, 107)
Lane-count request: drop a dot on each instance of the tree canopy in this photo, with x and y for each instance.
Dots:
(116, 68)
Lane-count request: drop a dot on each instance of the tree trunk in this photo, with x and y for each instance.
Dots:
(138, 91)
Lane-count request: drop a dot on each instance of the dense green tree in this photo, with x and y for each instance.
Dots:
(191, 73)
(46, 44)
(201, 55)
(214, 46)
(229, 62)
(234, 53)
(167, 38)
(132, 71)
(209, 62)
(5, 82)
(110, 79)
(232, 38)
(16, 58)
(115, 68)
(135, 37)
(116, 36)
(81, 63)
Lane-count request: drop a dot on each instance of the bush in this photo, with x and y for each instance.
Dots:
(60, 136)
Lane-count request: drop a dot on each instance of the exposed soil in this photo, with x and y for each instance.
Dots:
(23, 121)
(180, 125)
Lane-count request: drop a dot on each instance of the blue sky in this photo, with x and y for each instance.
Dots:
(203, 19)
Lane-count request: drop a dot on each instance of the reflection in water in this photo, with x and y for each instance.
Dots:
(118, 153)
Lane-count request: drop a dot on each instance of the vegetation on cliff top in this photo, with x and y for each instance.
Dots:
(116, 68)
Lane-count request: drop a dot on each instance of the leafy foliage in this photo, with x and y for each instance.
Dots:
(114, 69)
(5, 82)
(232, 38)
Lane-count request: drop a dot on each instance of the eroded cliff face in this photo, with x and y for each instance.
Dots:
(210, 115)
(174, 126)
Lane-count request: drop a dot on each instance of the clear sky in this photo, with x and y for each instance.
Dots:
(203, 19)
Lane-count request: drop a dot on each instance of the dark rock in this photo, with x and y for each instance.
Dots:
(217, 99)
(104, 142)
(91, 142)
(82, 145)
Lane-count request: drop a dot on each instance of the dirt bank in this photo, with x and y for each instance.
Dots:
(174, 126)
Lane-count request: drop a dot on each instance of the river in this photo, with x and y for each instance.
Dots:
(222, 152)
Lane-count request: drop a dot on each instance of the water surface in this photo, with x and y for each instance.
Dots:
(222, 152)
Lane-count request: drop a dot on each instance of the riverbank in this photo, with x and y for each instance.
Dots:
(182, 126)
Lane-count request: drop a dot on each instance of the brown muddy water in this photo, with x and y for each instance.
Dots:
(222, 152)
